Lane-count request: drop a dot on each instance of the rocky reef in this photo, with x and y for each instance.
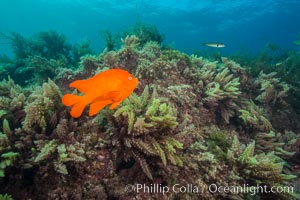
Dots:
(192, 124)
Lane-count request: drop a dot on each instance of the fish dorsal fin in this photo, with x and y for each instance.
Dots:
(82, 85)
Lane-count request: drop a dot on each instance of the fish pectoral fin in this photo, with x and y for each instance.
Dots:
(109, 95)
(114, 105)
(114, 95)
(95, 107)
(81, 85)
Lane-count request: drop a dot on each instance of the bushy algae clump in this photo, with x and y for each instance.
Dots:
(190, 121)
(144, 128)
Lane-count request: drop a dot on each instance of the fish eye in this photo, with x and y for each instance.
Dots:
(130, 78)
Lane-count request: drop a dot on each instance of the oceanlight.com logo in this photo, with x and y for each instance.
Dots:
(212, 188)
(252, 190)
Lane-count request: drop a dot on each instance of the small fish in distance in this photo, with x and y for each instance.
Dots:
(215, 44)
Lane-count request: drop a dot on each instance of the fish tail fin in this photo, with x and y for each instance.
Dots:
(77, 102)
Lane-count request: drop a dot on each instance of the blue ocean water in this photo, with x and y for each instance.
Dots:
(243, 25)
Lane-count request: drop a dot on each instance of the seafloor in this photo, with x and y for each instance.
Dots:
(192, 123)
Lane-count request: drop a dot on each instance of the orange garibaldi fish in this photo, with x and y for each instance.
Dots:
(109, 87)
